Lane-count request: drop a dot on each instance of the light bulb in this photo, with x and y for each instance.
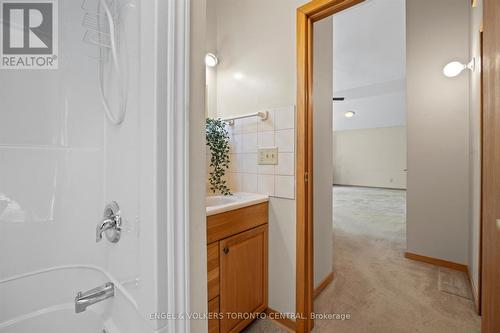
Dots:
(211, 60)
(238, 76)
(453, 69)
(349, 114)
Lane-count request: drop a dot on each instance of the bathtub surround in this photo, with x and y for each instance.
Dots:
(251, 134)
(61, 162)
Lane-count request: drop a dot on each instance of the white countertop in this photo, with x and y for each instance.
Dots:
(217, 204)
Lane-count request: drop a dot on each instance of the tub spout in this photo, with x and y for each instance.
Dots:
(99, 294)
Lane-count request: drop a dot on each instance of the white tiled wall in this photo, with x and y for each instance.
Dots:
(247, 136)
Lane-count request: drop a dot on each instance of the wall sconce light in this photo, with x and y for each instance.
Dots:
(349, 114)
(454, 68)
(211, 60)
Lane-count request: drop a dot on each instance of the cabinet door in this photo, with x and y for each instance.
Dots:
(243, 277)
(213, 321)
(213, 270)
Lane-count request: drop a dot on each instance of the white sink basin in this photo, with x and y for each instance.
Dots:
(217, 204)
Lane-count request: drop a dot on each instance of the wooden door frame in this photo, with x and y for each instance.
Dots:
(306, 16)
(481, 213)
(490, 285)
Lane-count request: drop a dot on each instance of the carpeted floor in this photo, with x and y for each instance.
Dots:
(375, 285)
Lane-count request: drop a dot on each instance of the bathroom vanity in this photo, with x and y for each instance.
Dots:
(237, 256)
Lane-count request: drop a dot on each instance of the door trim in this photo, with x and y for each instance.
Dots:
(306, 16)
(478, 297)
(167, 93)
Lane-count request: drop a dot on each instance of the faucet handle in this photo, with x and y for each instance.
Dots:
(102, 227)
(111, 224)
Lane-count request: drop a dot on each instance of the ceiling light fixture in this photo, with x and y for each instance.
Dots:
(349, 114)
(238, 76)
(211, 60)
(454, 68)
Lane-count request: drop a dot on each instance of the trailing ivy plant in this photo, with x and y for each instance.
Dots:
(217, 138)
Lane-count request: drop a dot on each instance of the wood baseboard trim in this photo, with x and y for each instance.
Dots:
(281, 319)
(323, 284)
(436, 261)
(474, 292)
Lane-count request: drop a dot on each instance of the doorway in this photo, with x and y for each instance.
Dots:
(307, 16)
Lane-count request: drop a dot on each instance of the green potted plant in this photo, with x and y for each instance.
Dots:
(217, 138)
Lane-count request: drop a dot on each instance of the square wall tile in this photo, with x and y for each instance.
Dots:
(237, 126)
(284, 187)
(235, 163)
(237, 143)
(230, 129)
(268, 124)
(249, 143)
(285, 140)
(286, 164)
(265, 139)
(249, 125)
(234, 181)
(284, 118)
(249, 182)
(266, 169)
(248, 163)
(250, 134)
(266, 184)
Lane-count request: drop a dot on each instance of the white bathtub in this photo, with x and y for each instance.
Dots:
(58, 320)
(43, 302)
(217, 204)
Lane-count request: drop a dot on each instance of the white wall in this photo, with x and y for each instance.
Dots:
(257, 53)
(438, 154)
(211, 72)
(322, 119)
(475, 145)
(256, 49)
(373, 157)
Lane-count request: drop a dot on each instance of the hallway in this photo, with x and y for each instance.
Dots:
(380, 289)
(375, 284)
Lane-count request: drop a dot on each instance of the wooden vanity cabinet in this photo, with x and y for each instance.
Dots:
(237, 271)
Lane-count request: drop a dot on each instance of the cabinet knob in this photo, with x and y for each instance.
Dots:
(226, 250)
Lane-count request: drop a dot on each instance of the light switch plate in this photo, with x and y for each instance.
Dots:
(267, 156)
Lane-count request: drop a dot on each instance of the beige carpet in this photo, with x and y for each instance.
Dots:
(380, 289)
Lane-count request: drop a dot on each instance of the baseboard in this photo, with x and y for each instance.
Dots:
(323, 284)
(436, 261)
(281, 319)
(372, 187)
(475, 294)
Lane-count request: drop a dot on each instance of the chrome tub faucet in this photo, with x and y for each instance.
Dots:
(96, 295)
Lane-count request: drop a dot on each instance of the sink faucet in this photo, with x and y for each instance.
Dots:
(99, 294)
